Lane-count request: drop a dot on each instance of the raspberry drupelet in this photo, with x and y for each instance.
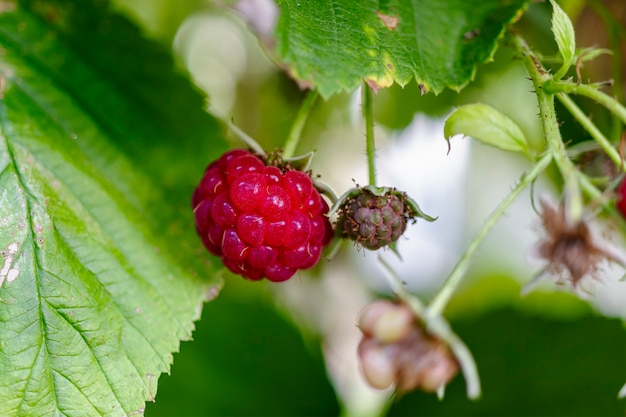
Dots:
(264, 221)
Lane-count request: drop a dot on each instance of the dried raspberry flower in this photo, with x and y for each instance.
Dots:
(573, 247)
(397, 350)
(375, 217)
(261, 216)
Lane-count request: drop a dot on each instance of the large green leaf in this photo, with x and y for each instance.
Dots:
(100, 141)
(336, 44)
(264, 369)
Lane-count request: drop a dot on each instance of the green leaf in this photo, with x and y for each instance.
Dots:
(334, 45)
(547, 362)
(589, 54)
(488, 125)
(266, 368)
(100, 146)
(563, 32)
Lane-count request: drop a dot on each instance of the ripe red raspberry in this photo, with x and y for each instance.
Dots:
(264, 221)
(621, 198)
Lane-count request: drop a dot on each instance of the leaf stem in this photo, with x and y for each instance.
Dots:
(593, 130)
(591, 91)
(298, 124)
(441, 299)
(368, 115)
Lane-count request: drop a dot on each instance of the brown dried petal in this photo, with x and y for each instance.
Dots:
(573, 246)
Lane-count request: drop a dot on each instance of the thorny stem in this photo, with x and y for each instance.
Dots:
(555, 152)
(593, 130)
(592, 92)
(545, 98)
(441, 299)
(540, 77)
(298, 124)
(368, 115)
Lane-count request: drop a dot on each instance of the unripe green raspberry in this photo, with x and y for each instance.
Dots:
(373, 220)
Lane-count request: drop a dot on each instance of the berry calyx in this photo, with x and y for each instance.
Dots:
(375, 217)
(261, 216)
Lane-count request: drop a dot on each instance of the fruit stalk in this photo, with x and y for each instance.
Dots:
(592, 129)
(296, 128)
(441, 299)
(368, 115)
(542, 79)
(592, 92)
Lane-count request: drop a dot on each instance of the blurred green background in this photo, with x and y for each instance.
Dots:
(284, 350)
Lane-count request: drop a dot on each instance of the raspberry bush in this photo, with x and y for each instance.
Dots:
(264, 221)
(104, 268)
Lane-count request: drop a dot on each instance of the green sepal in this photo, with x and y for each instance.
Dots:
(326, 190)
(245, 138)
(416, 211)
(414, 208)
(301, 162)
(589, 54)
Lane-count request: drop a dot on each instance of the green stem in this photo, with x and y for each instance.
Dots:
(296, 128)
(600, 198)
(593, 130)
(397, 286)
(541, 79)
(592, 92)
(368, 115)
(441, 299)
(438, 326)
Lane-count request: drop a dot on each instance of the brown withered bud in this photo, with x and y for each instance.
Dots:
(573, 247)
(397, 350)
